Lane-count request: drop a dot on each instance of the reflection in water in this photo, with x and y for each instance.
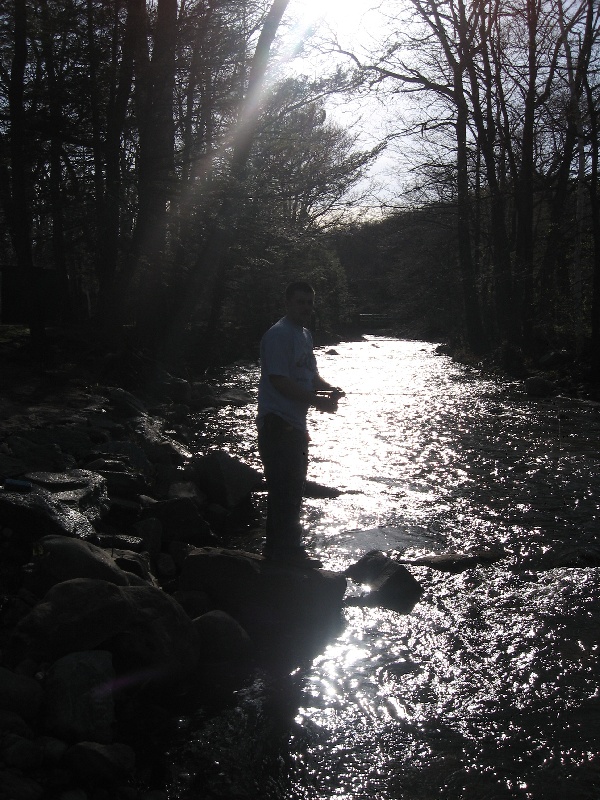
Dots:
(488, 689)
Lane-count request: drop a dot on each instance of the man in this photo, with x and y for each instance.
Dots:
(288, 385)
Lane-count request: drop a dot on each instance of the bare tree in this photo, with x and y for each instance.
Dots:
(18, 181)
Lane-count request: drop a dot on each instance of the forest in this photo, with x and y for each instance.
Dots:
(164, 173)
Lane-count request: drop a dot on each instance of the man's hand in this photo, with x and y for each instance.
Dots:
(327, 400)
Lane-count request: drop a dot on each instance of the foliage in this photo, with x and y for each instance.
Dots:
(135, 166)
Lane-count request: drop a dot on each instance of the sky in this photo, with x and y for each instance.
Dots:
(358, 25)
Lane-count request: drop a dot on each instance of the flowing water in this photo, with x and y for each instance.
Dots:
(489, 688)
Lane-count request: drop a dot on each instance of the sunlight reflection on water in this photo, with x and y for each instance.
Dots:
(453, 699)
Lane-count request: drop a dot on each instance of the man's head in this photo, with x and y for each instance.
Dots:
(299, 302)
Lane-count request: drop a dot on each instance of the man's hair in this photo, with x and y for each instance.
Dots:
(298, 286)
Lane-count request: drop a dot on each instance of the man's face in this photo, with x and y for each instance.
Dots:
(300, 307)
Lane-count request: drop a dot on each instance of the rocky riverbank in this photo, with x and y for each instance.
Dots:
(123, 594)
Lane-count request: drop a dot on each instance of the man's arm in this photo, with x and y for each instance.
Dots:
(293, 391)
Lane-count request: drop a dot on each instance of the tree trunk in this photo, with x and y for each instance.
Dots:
(155, 83)
(19, 216)
(594, 189)
(59, 252)
(474, 328)
(109, 220)
(523, 269)
(207, 278)
(484, 117)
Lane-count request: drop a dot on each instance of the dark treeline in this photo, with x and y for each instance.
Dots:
(150, 182)
(502, 247)
(161, 175)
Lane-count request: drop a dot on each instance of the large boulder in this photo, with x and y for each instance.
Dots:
(61, 558)
(19, 694)
(392, 586)
(38, 513)
(104, 765)
(16, 786)
(39, 456)
(181, 521)
(271, 602)
(73, 439)
(221, 637)
(77, 488)
(225, 479)
(79, 614)
(78, 699)
(146, 631)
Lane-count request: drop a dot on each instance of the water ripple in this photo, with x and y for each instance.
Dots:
(488, 689)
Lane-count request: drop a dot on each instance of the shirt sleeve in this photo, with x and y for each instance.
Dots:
(277, 354)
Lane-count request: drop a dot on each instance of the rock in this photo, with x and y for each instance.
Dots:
(103, 421)
(179, 551)
(122, 513)
(556, 358)
(392, 585)
(317, 490)
(113, 540)
(167, 385)
(125, 483)
(456, 562)
(74, 794)
(78, 698)
(269, 601)
(11, 722)
(38, 513)
(79, 488)
(11, 467)
(144, 628)
(75, 615)
(101, 764)
(134, 563)
(193, 603)
(221, 638)
(217, 517)
(150, 531)
(14, 786)
(181, 521)
(125, 403)
(53, 749)
(72, 439)
(159, 448)
(185, 489)
(40, 457)
(127, 453)
(103, 464)
(19, 694)
(203, 395)
(234, 397)
(154, 794)
(537, 386)
(159, 637)
(59, 558)
(166, 568)
(22, 754)
(225, 479)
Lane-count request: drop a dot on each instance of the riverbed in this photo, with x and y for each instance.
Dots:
(489, 687)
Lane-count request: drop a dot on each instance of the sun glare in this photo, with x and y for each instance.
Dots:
(342, 16)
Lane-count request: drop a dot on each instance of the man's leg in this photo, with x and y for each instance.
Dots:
(284, 453)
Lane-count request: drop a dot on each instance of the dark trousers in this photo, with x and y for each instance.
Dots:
(284, 453)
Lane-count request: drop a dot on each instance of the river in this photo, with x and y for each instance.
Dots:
(488, 689)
